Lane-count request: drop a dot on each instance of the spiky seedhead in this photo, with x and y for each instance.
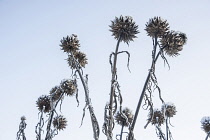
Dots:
(156, 117)
(173, 42)
(169, 109)
(157, 27)
(60, 122)
(43, 103)
(81, 58)
(70, 44)
(124, 28)
(56, 93)
(125, 117)
(23, 118)
(68, 87)
(205, 124)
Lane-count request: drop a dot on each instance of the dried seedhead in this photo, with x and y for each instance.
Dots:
(55, 93)
(173, 42)
(43, 103)
(124, 28)
(205, 124)
(23, 118)
(169, 109)
(68, 87)
(81, 58)
(60, 122)
(156, 117)
(125, 118)
(157, 27)
(70, 44)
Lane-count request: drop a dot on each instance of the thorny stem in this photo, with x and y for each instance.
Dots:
(96, 136)
(161, 133)
(21, 132)
(114, 72)
(145, 85)
(207, 136)
(40, 125)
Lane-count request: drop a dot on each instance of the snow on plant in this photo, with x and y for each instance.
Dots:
(123, 29)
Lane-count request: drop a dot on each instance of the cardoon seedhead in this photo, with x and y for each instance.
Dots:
(124, 28)
(205, 124)
(125, 118)
(169, 109)
(157, 27)
(60, 122)
(173, 42)
(55, 93)
(156, 117)
(23, 118)
(70, 44)
(81, 57)
(43, 103)
(68, 87)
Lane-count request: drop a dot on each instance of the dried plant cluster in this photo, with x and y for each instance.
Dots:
(124, 29)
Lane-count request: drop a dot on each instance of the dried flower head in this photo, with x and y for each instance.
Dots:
(173, 42)
(55, 93)
(157, 27)
(125, 118)
(124, 28)
(81, 57)
(68, 87)
(23, 118)
(169, 109)
(70, 44)
(60, 122)
(43, 103)
(156, 117)
(205, 124)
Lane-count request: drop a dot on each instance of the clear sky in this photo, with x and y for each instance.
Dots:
(31, 62)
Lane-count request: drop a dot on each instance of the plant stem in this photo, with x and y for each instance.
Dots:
(166, 128)
(96, 134)
(154, 59)
(121, 132)
(51, 117)
(114, 72)
(207, 136)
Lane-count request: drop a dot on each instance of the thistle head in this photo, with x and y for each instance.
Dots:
(70, 44)
(68, 87)
(169, 109)
(56, 93)
(125, 117)
(157, 27)
(205, 124)
(43, 103)
(173, 42)
(156, 117)
(59, 122)
(81, 58)
(124, 28)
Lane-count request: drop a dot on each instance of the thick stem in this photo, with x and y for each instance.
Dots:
(145, 86)
(121, 132)
(114, 72)
(96, 135)
(40, 125)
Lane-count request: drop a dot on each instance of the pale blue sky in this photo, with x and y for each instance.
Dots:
(31, 62)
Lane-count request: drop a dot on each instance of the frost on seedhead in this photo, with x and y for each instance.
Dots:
(169, 109)
(156, 117)
(205, 124)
